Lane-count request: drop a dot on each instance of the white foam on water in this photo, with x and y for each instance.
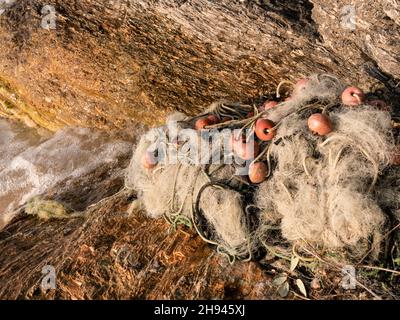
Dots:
(14, 139)
(29, 166)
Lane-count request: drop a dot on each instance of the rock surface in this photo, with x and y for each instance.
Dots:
(111, 255)
(110, 64)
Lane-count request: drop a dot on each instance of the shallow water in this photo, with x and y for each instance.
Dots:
(30, 164)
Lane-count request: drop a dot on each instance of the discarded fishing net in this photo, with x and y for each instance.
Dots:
(310, 170)
(201, 196)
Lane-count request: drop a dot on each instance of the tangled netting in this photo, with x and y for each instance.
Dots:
(333, 190)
